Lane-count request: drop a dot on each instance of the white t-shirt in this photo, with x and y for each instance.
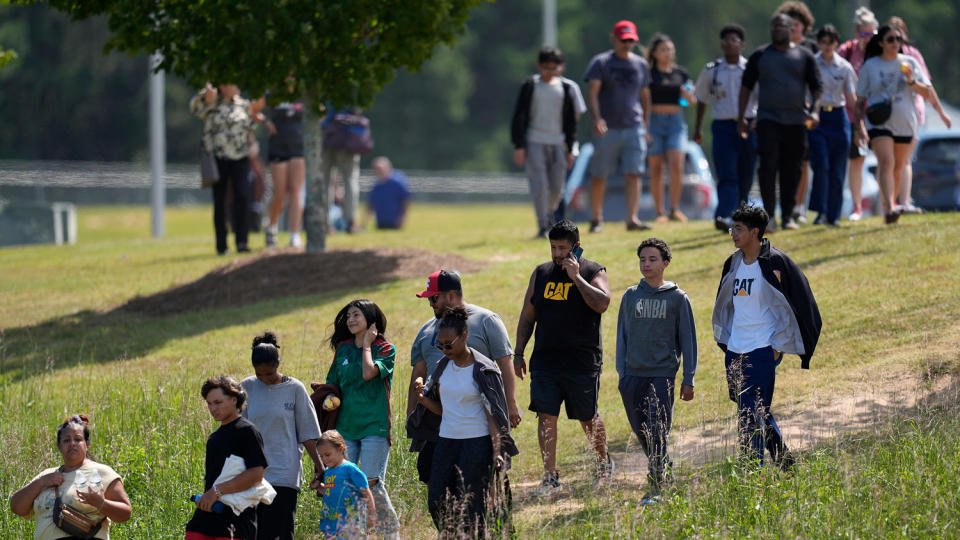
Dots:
(752, 322)
(882, 79)
(546, 110)
(463, 414)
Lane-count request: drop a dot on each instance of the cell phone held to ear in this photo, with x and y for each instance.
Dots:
(576, 252)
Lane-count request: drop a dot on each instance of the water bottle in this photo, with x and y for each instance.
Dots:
(80, 480)
(217, 508)
(688, 86)
(96, 483)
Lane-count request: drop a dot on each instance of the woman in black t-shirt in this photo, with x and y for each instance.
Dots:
(236, 436)
(670, 92)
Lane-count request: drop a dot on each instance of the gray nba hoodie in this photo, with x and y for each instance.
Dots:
(654, 328)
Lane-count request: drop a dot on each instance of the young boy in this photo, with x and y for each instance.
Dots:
(654, 327)
(764, 309)
(544, 130)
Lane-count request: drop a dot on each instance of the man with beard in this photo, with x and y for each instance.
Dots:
(564, 301)
(486, 334)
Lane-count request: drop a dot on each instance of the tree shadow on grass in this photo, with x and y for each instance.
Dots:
(240, 293)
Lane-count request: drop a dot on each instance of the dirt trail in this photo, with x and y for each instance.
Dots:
(822, 417)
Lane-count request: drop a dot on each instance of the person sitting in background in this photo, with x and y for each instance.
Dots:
(390, 197)
(92, 489)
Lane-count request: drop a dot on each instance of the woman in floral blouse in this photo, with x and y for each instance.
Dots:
(227, 124)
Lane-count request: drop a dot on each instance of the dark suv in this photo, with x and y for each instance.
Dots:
(935, 182)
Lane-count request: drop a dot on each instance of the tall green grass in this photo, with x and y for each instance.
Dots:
(888, 297)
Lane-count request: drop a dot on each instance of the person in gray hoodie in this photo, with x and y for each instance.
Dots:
(655, 326)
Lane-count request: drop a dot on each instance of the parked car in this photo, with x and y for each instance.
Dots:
(935, 182)
(698, 199)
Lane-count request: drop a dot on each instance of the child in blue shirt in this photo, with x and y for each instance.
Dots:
(346, 494)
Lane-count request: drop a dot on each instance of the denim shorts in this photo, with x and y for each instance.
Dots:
(668, 132)
(370, 454)
(619, 150)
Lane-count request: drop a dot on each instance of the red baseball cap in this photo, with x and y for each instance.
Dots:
(624, 30)
(441, 281)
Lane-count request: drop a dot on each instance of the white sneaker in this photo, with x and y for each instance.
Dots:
(854, 216)
(295, 240)
(909, 208)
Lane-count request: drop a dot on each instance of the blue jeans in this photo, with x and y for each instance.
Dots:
(750, 379)
(370, 454)
(648, 402)
(667, 132)
(735, 160)
(829, 146)
(462, 470)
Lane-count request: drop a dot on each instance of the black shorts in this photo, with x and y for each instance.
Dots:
(280, 157)
(897, 139)
(579, 391)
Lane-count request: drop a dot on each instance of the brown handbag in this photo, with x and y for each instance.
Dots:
(72, 521)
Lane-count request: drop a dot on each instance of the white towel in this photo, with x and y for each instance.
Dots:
(241, 500)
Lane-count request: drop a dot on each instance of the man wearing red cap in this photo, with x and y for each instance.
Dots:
(486, 334)
(618, 97)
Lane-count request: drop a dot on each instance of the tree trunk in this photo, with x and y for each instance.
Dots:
(316, 205)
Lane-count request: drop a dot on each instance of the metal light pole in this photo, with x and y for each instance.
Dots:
(550, 22)
(158, 147)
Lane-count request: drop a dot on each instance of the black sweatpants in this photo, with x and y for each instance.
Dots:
(237, 173)
(780, 148)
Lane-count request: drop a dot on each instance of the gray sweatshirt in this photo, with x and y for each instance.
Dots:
(654, 327)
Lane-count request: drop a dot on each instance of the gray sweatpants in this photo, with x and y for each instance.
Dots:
(348, 167)
(547, 172)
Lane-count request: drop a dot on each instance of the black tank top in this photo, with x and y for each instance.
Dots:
(567, 336)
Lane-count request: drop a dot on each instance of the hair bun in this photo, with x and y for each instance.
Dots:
(81, 419)
(268, 338)
(458, 312)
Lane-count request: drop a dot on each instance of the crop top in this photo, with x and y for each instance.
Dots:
(665, 86)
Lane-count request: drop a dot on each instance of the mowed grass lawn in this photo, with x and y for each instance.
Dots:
(889, 297)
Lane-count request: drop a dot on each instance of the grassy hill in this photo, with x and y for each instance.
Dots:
(875, 417)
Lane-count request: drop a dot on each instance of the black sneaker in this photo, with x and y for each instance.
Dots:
(596, 226)
(723, 224)
(819, 219)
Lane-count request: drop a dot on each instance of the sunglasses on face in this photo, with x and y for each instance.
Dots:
(893, 39)
(866, 34)
(626, 40)
(433, 299)
(447, 346)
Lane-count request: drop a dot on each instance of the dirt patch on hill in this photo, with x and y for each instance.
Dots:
(288, 272)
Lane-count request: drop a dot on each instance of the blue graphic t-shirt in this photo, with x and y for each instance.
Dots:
(342, 491)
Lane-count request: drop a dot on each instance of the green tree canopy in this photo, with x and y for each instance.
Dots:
(343, 51)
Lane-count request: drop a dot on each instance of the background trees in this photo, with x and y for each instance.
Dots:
(62, 99)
